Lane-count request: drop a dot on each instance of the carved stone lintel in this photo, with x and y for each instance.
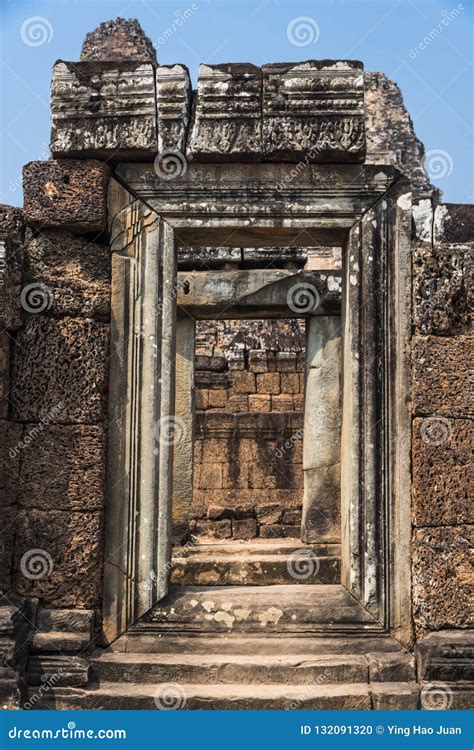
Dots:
(103, 110)
(313, 111)
(173, 98)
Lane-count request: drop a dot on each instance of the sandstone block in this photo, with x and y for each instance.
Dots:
(441, 375)
(63, 468)
(313, 110)
(60, 370)
(235, 476)
(258, 360)
(210, 380)
(271, 532)
(268, 383)
(66, 193)
(69, 274)
(286, 361)
(216, 450)
(202, 398)
(120, 39)
(238, 403)
(217, 399)
(207, 362)
(322, 513)
(243, 382)
(259, 402)
(104, 110)
(442, 577)
(442, 482)
(246, 529)
(283, 402)
(173, 96)
(226, 123)
(290, 382)
(58, 557)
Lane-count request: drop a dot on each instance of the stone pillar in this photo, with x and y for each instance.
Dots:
(184, 414)
(322, 431)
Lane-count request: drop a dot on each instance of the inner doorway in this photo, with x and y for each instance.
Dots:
(256, 490)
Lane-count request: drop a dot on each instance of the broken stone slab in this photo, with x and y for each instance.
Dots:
(226, 121)
(66, 193)
(173, 99)
(120, 39)
(104, 110)
(313, 111)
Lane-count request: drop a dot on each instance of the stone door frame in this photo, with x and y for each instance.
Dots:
(367, 210)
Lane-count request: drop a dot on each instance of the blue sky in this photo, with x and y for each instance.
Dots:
(436, 81)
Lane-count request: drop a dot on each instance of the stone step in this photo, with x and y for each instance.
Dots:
(303, 669)
(135, 696)
(262, 566)
(147, 641)
(255, 547)
(279, 608)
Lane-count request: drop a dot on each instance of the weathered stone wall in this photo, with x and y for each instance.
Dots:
(248, 473)
(57, 343)
(443, 407)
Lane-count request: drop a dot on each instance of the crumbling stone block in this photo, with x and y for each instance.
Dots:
(442, 577)
(58, 557)
(313, 111)
(441, 375)
(60, 370)
(68, 274)
(173, 97)
(63, 468)
(120, 39)
(454, 223)
(226, 123)
(66, 193)
(442, 296)
(442, 484)
(103, 110)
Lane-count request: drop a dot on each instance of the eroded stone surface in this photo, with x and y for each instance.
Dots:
(442, 481)
(442, 577)
(226, 123)
(71, 274)
(66, 193)
(10, 453)
(63, 468)
(442, 288)
(12, 232)
(60, 370)
(67, 550)
(313, 111)
(105, 110)
(391, 138)
(173, 98)
(120, 39)
(441, 375)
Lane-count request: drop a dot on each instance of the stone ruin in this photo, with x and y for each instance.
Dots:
(236, 408)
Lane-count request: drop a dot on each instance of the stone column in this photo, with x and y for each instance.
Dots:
(184, 413)
(322, 431)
